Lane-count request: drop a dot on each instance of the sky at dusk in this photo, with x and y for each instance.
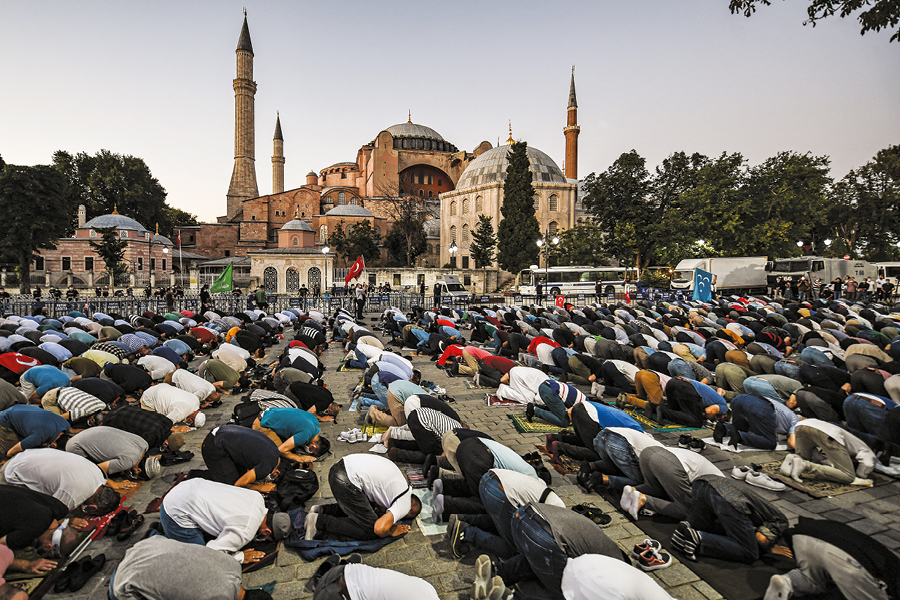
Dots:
(154, 80)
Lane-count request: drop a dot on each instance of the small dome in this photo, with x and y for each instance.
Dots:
(296, 225)
(114, 220)
(411, 130)
(491, 167)
(348, 210)
(313, 173)
(161, 239)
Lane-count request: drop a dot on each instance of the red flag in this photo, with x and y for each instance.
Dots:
(179, 240)
(561, 301)
(355, 271)
(627, 297)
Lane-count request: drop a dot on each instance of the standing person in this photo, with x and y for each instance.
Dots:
(803, 289)
(170, 300)
(539, 290)
(862, 290)
(851, 286)
(359, 295)
(837, 287)
(887, 289)
(261, 301)
(879, 293)
(422, 290)
(205, 299)
(598, 290)
(303, 293)
(437, 294)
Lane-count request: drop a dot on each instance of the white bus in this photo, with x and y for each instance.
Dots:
(888, 269)
(576, 279)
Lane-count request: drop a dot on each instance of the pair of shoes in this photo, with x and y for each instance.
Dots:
(79, 573)
(117, 522)
(593, 513)
(697, 445)
(132, 523)
(456, 534)
(684, 440)
(647, 544)
(652, 559)
(529, 411)
(630, 501)
(354, 435)
(757, 478)
(719, 432)
(686, 540)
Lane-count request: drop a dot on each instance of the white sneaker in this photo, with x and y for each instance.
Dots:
(345, 435)
(862, 482)
(762, 480)
(740, 472)
(439, 390)
(354, 437)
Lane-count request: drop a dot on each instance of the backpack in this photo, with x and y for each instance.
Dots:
(295, 488)
(245, 412)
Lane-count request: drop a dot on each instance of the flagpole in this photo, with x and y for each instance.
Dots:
(181, 260)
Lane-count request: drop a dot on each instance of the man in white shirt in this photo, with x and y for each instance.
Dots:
(591, 574)
(177, 404)
(157, 366)
(235, 516)
(358, 482)
(814, 438)
(204, 390)
(521, 385)
(362, 582)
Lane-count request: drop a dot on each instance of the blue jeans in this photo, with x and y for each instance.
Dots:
(361, 361)
(678, 367)
(379, 389)
(545, 558)
(755, 419)
(501, 513)
(788, 369)
(739, 542)
(112, 579)
(366, 400)
(174, 531)
(865, 420)
(762, 388)
(617, 460)
(815, 357)
(555, 411)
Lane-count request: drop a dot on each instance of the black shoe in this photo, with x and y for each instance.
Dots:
(433, 474)
(88, 569)
(698, 445)
(327, 564)
(529, 412)
(430, 461)
(353, 559)
(684, 440)
(735, 438)
(63, 582)
(719, 432)
(117, 522)
(133, 523)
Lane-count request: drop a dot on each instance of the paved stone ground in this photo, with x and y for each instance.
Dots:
(873, 511)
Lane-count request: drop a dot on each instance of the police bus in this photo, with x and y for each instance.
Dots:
(576, 279)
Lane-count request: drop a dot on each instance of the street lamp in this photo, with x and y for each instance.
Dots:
(800, 244)
(545, 246)
(325, 270)
(452, 250)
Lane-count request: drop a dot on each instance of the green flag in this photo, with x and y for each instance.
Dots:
(223, 283)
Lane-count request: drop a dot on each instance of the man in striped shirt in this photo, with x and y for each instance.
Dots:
(74, 405)
(427, 420)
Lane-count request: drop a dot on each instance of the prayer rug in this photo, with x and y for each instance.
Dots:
(536, 426)
(818, 488)
(638, 415)
(154, 504)
(567, 465)
(425, 520)
(344, 367)
(371, 430)
(493, 400)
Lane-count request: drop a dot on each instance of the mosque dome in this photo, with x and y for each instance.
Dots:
(296, 225)
(348, 210)
(161, 239)
(410, 136)
(114, 220)
(411, 130)
(491, 166)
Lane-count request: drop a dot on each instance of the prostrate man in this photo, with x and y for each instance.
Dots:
(115, 451)
(585, 575)
(240, 456)
(826, 451)
(362, 582)
(298, 428)
(24, 426)
(148, 572)
(232, 516)
(177, 404)
(364, 485)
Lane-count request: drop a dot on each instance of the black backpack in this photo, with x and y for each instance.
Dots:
(295, 488)
(245, 412)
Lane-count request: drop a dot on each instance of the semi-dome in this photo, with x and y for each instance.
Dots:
(491, 167)
(348, 210)
(296, 225)
(114, 220)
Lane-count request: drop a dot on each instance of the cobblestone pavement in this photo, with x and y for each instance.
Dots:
(874, 511)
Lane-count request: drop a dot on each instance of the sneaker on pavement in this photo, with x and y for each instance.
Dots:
(456, 532)
(762, 480)
(686, 540)
(653, 560)
(684, 440)
(645, 545)
(740, 472)
(697, 445)
(482, 578)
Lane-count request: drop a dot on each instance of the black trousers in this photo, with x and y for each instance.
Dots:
(488, 376)
(683, 404)
(221, 466)
(353, 517)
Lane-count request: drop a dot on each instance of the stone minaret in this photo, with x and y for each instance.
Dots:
(278, 159)
(571, 131)
(243, 178)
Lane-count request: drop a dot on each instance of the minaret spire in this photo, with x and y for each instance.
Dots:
(243, 177)
(510, 141)
(571, 131)
(278, 158)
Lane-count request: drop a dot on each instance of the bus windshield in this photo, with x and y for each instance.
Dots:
(791, 266)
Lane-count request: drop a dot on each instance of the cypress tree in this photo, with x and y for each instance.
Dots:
(483, 242)
(519, 228)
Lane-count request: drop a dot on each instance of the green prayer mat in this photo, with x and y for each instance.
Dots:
(638, 415)
(536, 426)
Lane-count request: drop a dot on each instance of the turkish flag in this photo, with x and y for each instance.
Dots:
(627, 297)
(561, 301)
(357, 268)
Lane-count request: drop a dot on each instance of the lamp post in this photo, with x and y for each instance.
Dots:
(452, 250)
(325, 270)
(545, 247)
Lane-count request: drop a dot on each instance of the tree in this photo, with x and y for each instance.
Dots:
(483, 242)
(360, 239)
(407, 213)
(404, 243)
(108, 181)
(882, 15)
(35, 213)
(519, 229)
(111, 248)
(579, 245)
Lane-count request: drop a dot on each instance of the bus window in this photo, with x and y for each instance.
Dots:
(799, 265)
(586, 276)
(818, 265)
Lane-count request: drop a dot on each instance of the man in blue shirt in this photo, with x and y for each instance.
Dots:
(24, 426)
(297, 428)
(37, 381)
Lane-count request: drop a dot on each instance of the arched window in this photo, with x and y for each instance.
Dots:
(537, 202)
(553, 227)
(479, 205)
(465, 206)
(342, 198)
(353, 200)
(430, 194)
(295, 241)
(323, 234)
(453, 208)
(465, 234)
(421, 193)
(329, 200)
(292, 281)
(554, 203)
(453, 234)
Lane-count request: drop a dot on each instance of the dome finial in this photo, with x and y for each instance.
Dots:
(510, 141)
(245, 11)
(157, 229)
(115, 209)
(409, 120)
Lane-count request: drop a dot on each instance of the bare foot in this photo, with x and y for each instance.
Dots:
(399, 529)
